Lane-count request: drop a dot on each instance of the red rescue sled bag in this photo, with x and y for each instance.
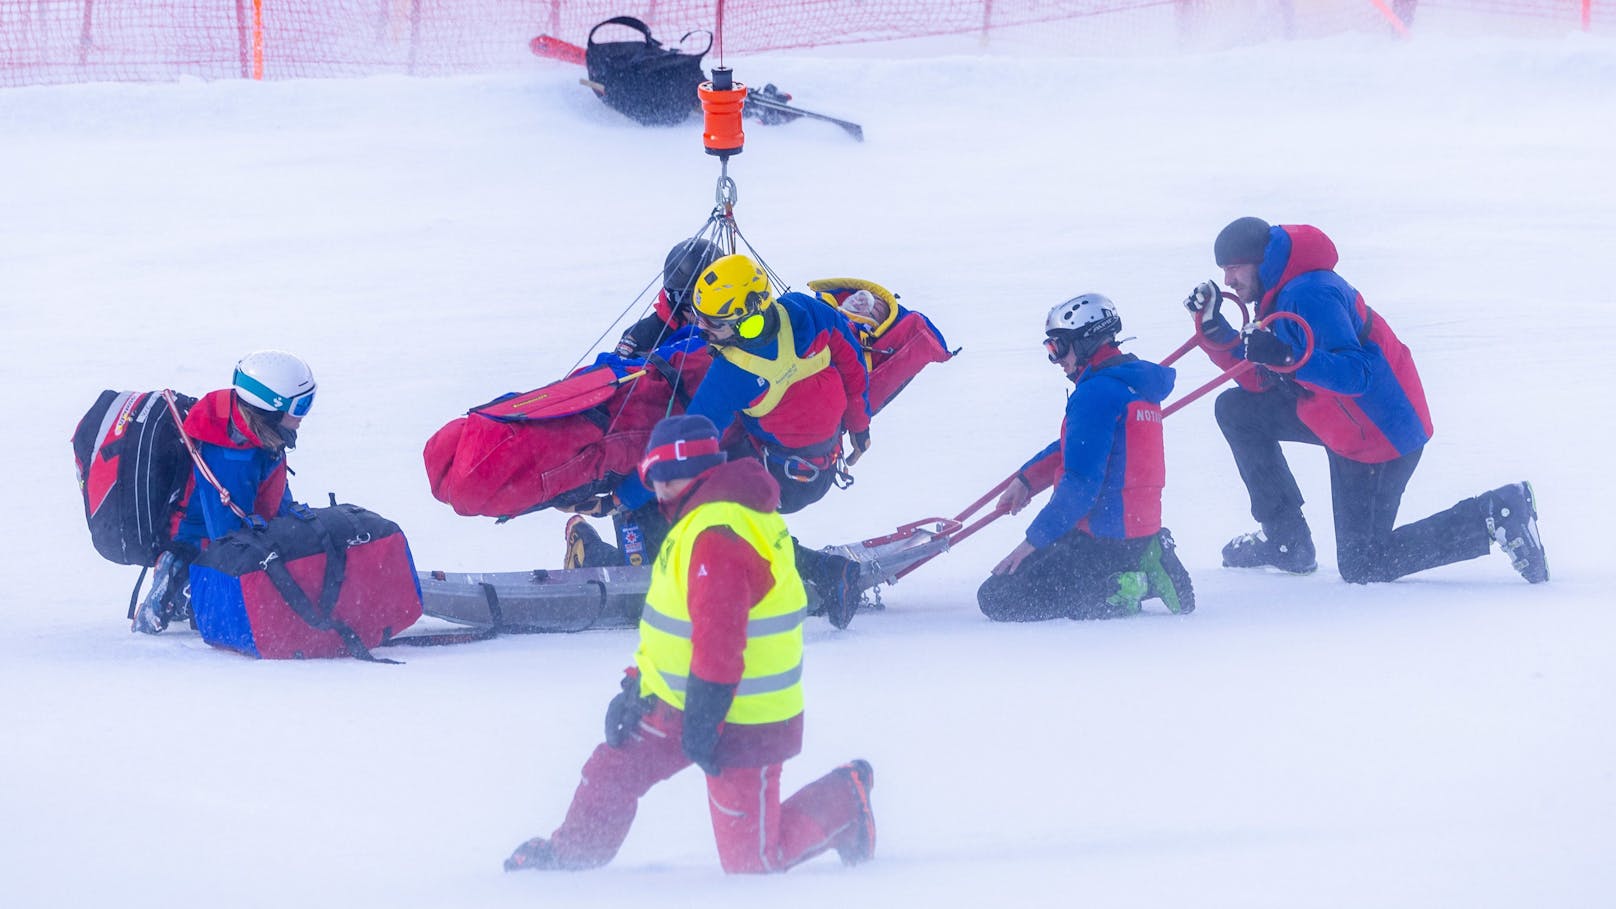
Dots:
(560, 444)
(320, 582)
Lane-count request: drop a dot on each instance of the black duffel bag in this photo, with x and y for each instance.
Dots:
(642, 79)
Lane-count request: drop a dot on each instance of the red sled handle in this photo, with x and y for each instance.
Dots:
(939, 526)
(556, 49)
(1245, 366)
(1198, 340)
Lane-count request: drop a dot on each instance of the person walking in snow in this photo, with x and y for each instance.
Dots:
(242, 433)
(1360, 398)
(1097, 550)
(717, 680)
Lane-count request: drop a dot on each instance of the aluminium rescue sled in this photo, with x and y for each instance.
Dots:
(581, 599)
(570, 441)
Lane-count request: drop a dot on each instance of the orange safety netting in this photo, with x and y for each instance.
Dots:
(61, 41)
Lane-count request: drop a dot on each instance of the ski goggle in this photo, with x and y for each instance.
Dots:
(1058, 346)
(298, 405)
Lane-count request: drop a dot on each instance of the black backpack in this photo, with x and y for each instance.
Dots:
(132, 468)
(648, 82)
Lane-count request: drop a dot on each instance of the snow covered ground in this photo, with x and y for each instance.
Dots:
(1442, 741)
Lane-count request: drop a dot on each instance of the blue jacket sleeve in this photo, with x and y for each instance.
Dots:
(1092, 413)
(1048, 450)
(631, 493)
(1339, 363)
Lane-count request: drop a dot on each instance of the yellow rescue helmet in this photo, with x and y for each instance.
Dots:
(731, 289)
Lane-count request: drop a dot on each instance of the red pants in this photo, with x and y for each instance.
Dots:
(755, 832)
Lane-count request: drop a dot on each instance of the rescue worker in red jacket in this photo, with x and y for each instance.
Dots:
(787, 379)
(1359, 397)
(717, 681)
(1098, 549)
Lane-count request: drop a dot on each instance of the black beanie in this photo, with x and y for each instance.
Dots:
(1241, 243)
(681, 447)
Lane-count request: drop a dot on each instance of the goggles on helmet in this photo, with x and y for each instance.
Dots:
(297, 405)
(1058, 346)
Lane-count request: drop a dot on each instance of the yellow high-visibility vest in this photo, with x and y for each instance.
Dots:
(770, 689)
(784, 371)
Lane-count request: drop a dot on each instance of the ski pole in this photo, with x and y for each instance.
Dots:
(1197, 339)
(1245, 366)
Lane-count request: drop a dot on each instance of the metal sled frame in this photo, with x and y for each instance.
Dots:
(580, 599)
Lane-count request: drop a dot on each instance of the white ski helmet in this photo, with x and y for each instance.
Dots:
(1083, 323)
(1087, 315)
(275, 380)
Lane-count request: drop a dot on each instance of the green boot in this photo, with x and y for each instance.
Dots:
(1131, 588)
(1168, 580)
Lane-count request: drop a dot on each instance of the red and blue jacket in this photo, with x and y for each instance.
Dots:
(815, 408)
(1361, 393)
(1108, 467)
(254, 476)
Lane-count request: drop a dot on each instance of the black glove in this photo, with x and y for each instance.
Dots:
(594, 506)
(1205, 299)
(1265, 347)
(706, 705)
(624, 713)
(861, 444)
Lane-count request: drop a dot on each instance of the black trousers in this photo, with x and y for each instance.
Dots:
(1069, 579)
(1364, 497)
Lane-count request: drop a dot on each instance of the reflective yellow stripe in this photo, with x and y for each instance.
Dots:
(761, 685)
(770, 688)
(755, 627)
(784, 371)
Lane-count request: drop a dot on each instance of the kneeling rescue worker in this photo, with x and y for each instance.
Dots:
(717, 681)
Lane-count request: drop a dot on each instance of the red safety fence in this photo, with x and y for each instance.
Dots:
(62, 41)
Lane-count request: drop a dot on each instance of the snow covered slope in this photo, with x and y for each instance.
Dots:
(1445, 740)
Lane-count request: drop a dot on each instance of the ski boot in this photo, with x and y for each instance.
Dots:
(1512, 523)
(1284, 543)
(1128, 591)
(835, 580)
(168, 600)
(585, 548)
(857, 844)
(1168, 579)
(842, 594)
(534, 855)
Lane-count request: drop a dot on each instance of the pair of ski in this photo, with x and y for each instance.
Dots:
(775, 101)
